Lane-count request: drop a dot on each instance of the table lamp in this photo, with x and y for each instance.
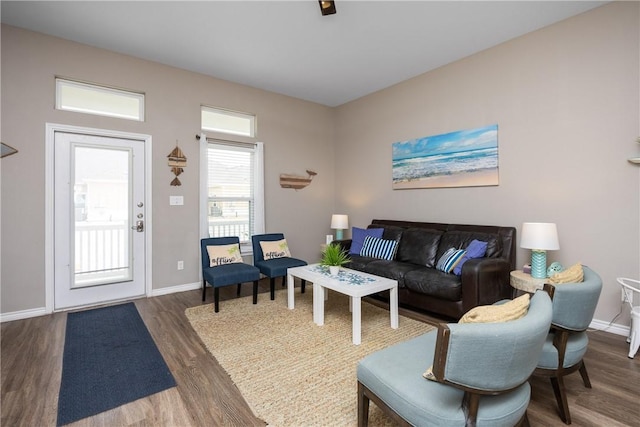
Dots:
(540, 237)
(339, 222)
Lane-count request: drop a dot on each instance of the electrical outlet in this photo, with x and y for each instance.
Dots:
(625, 295)
(180, 265)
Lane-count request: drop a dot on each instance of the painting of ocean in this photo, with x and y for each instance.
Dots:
(465, 158)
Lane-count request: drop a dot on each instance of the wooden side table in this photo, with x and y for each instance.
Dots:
(521, 281)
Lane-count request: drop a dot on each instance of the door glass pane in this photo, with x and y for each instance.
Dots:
(101, 206)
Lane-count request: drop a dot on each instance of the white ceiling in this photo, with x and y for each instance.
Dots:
(288, 47)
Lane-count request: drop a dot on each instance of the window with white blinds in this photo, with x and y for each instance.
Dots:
(233, 192)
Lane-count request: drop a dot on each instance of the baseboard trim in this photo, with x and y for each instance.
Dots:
(612, 328)
(42, 311)
(23, 314)
(174, 289)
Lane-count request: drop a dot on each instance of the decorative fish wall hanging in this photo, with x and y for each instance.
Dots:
(177, 162)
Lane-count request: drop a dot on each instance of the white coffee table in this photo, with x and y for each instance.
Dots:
(355, 284)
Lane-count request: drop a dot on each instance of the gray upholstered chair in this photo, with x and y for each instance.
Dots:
(566, 344)
(481, 370)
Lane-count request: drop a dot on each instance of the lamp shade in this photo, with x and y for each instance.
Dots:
(339, 222)
(539, 236)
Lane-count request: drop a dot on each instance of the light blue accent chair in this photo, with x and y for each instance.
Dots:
(573, 307)
(225, 275)
(274, 267)
(481, 370)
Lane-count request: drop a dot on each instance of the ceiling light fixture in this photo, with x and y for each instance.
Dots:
(327, 7)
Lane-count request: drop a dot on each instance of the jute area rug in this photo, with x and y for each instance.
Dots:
(291, 371)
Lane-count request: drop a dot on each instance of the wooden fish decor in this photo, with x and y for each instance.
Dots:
(177, 162)
(296, 182)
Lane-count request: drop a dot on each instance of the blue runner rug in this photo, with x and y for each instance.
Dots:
(109, 359)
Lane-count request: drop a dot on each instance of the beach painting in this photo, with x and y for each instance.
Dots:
(465, 158)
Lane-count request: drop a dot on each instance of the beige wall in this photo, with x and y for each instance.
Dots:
(566, 101)
(297, 135)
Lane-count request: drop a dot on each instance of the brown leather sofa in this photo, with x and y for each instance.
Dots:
(421, 286)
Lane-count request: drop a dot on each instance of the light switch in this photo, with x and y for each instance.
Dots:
(176, 200)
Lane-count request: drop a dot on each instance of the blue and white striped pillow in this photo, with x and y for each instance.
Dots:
(450, 259)
(375, 247)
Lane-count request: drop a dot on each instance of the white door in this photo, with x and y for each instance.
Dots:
(99, 215)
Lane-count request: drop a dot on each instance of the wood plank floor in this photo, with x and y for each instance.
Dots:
(31, 366)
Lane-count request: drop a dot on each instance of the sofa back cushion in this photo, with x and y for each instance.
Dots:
(461, 239)
(419, 246)
(391, 232)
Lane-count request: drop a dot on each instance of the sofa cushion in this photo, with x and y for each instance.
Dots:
(419, 246)
(358, 262)
(391, 232)
(390, 269)
(462, 239)
(434, 283)
(358, 235)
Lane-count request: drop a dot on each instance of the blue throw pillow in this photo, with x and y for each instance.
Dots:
(358, 235)
(378, 248)
(476, 249)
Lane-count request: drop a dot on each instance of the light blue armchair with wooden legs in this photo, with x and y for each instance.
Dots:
(573, 307)
(481, 372)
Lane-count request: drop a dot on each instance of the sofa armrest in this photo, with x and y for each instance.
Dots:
(345, 244)
(485, 281)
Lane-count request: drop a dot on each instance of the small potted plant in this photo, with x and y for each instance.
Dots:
(334, 257)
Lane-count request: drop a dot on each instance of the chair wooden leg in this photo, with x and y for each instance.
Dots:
(561, 398)
(216, 299)
(239, 289)
(470, 404)
(272, 285)
(363, 407)
(204, 289)
(585, 375)
(302, 285)
(284, 280)
(255, 291)
(524, 421)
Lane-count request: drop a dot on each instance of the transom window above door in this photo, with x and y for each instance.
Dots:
(99, 100)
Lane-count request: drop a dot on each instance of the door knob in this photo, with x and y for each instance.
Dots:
(139, 227)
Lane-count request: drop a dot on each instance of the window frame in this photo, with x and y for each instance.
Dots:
(61, 82)
(251, 118)
(246, 247)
